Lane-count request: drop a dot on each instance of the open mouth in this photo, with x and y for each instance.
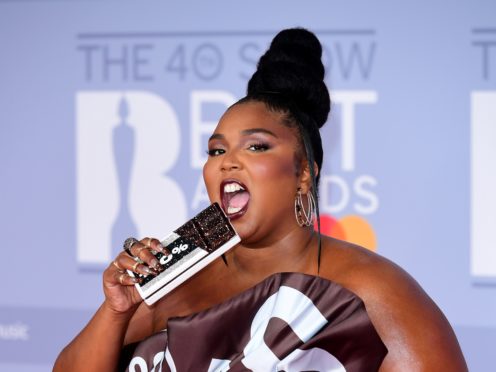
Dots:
(234, 197)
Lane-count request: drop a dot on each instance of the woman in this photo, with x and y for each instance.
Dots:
(285, 298)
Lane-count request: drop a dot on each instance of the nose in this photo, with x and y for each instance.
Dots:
(230, 162)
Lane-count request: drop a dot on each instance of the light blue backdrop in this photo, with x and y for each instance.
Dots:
(409, 147)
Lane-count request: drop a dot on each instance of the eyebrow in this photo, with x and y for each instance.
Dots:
(245, 132)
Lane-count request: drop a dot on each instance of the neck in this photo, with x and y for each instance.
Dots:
(294, 252)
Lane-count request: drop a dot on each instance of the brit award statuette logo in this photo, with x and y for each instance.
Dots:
(126, 144)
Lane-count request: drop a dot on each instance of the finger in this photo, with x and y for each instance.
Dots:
(136, 265)
(149, 258)
(116, 265)
(128, 245)
(142, 251)
(138, 247)
(155, 245)
(125, 279)
(122, 262)
(119, 263)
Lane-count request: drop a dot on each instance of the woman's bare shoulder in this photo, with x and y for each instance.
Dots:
(415, 331)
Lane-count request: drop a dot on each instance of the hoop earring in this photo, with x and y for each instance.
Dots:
(303, 217)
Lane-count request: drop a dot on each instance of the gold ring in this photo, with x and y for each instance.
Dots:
(135, 266)
(121, 278)
(117, 265)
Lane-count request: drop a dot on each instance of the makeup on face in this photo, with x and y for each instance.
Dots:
(192, 246)
(234, 195)
(251, 170)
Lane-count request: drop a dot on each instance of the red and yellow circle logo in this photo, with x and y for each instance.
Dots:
(352, 228)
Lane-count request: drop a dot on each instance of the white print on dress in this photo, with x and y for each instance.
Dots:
(304, 318)
(293, 307)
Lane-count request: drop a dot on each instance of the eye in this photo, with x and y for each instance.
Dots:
(258, 147)
(215, 152)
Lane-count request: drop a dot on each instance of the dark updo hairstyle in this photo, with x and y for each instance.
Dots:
(290, 80)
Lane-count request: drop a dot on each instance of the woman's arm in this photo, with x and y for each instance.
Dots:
(415, 331)
(98, 345)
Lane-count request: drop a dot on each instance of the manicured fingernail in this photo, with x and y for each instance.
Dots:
(155, 264)
(147, 270)
(160, 247)
(135, 280)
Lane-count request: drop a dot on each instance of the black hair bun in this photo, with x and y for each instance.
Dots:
(292, 66)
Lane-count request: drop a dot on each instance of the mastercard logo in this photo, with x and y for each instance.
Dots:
(352, 228)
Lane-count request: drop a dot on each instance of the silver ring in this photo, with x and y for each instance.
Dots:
(128, 244)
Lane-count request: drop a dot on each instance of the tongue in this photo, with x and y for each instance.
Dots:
(239, 200)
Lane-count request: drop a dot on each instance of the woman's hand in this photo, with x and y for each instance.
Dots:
(118, 286)
(106, 331)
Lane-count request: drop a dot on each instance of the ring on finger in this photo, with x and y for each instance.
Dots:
(116, 264)
(128, 244)
(135, 266)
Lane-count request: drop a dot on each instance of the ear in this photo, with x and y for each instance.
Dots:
(306, 178)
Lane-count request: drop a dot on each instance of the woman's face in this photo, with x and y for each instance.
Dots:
(252, 172)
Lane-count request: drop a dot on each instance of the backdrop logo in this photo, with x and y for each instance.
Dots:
(126, 145)
(129, 143)
(483, 184)
(349, 189)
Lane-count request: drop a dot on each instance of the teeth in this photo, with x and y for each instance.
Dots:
(232, 187)
(232, 210)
